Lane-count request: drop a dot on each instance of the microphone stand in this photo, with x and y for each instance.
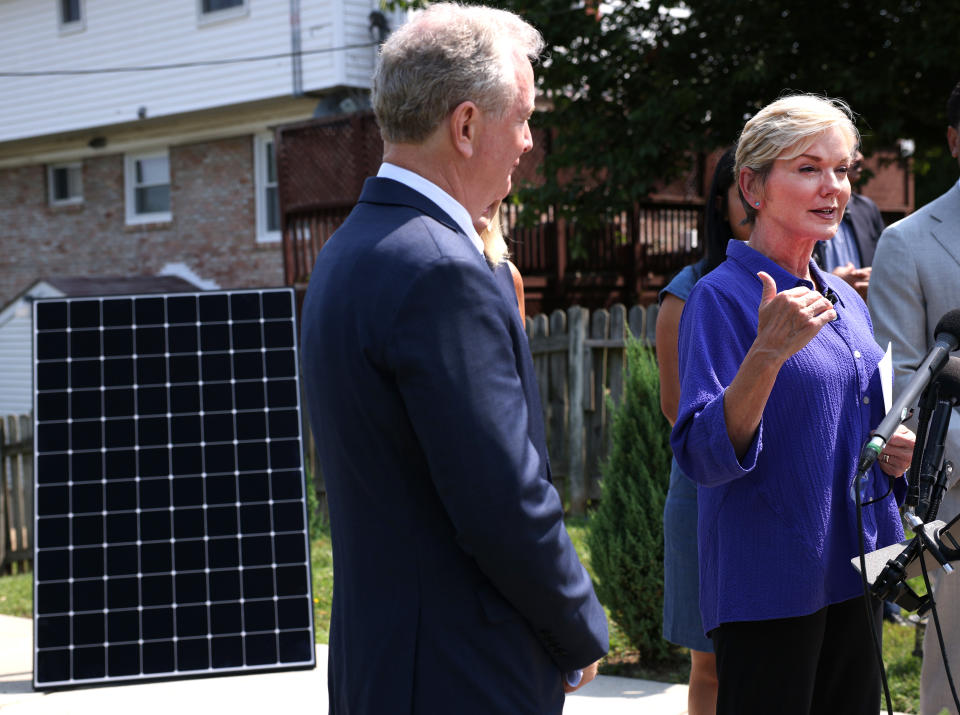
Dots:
(891, 583)
(929, 489)
(858, 486)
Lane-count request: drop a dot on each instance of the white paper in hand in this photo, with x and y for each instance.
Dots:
(886, 377)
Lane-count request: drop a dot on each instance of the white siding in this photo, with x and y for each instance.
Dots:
(349, 20)
(124, 33)
(358, 64)
(16, 352)
(16, 370)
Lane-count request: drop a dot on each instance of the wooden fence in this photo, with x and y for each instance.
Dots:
(579, 357)
(16, 492)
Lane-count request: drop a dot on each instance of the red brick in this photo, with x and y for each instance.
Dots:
(213, 229)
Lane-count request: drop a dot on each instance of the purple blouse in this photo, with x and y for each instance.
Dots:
(778, 528)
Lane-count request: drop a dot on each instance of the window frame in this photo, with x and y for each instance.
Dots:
(72, 199)
(130, 186)
(262, 184)
(70, 26)
(206, 17)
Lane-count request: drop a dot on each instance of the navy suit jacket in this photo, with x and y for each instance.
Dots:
(456, 587)
(864, 217)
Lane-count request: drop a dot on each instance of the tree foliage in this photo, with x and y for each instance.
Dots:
(893, 61)
(637, 86)
(626, 531)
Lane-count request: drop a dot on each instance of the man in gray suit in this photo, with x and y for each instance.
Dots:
(916, 280)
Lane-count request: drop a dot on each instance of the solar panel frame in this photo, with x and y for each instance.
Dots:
(170, 513)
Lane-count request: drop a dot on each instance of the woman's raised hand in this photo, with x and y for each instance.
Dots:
(790, 319)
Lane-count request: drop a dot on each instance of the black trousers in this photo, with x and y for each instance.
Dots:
(821, 664)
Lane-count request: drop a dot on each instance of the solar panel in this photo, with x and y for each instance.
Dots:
(170, 512)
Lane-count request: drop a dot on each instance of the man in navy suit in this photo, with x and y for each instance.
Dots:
(456, 587)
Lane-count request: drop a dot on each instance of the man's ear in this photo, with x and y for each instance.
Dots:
(953, 141)
(462, 124)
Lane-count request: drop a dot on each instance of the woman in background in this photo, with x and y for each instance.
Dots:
(723, 219)
(496, 252)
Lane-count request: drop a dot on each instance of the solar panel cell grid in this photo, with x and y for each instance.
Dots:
(170, 513)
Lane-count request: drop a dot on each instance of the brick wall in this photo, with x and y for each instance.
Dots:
(213, 229)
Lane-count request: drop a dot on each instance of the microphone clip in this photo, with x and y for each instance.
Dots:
(830, 295)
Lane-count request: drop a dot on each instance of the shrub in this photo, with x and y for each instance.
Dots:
(316, 518)
(626, 530)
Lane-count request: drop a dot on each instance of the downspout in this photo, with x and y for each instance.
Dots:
(296, 60)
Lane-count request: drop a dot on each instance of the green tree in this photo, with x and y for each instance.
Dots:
(638, 86)
(626, 531)
(893, 61)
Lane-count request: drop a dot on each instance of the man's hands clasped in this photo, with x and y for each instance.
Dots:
(589, 673)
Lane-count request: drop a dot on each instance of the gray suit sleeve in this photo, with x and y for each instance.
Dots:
(897, 304)
(898, 307)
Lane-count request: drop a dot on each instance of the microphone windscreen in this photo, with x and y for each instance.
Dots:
(949, 324)
(949, 379)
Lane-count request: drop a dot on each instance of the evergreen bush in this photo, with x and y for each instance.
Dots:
(316, 519)
(626, 530)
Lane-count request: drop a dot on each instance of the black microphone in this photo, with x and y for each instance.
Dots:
(928, 402)
(947, 387)
(833, 298)
(946, 336)
(948, 381)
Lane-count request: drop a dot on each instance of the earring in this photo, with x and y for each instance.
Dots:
(757, 204)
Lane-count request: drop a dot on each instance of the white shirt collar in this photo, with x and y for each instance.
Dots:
(441, 198)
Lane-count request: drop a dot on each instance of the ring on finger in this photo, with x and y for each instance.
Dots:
(886, 458)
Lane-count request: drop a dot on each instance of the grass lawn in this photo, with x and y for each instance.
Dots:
(321, 558)
(16, 595)
(903, 668)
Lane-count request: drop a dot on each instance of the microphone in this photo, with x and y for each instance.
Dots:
(833, 298)
(927, 405)
(948, 381)
(946, 336)
(947, 389)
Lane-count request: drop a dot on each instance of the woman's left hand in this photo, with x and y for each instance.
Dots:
(896, 456)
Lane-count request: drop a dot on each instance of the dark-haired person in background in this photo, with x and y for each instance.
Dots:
(849, 254)
(682, 625)
(916, 280)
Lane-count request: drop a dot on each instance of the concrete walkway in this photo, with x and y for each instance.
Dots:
(255, 694)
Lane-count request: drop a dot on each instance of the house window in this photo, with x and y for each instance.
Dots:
(215, 5)
(147, 183)
(65, 184)
(71, 15)
(268, 199)
(212, 10)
